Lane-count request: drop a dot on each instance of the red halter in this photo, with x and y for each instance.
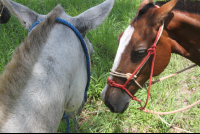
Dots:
(150, 51)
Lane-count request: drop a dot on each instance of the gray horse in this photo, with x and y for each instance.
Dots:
(47, 75)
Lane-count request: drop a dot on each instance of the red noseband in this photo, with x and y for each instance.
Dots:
(113, 84)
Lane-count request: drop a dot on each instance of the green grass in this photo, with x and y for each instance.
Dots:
(168, 95)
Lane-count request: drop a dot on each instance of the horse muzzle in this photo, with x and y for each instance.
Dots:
(115, 99)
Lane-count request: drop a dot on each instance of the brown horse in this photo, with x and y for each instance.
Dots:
(180, 35)
(4, 14)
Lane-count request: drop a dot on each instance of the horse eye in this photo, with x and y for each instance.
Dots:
(138, 55)
(141, 53)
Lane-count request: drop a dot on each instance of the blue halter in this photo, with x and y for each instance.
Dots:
(85, 50)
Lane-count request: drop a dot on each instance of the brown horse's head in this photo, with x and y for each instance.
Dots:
(133, 45)
(4, 14)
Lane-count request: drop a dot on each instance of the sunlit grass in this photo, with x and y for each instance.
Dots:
(168, 95)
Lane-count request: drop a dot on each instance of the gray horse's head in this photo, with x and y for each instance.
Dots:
(49, 67)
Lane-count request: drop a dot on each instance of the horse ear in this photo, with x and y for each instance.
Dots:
(93, 17)
(162, 12)
(144, 2)
(26, 16)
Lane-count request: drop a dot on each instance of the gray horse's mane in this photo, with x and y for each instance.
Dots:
(18, 71)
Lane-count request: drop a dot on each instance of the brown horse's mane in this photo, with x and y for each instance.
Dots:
(190, 6)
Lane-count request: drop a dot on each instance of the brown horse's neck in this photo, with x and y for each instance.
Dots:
(183, 30)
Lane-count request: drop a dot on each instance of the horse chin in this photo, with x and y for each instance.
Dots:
(73, 114)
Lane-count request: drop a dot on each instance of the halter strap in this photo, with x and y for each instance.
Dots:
(84, 48)
(35, 24)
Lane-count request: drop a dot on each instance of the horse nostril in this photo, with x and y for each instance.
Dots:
(109, 106)
(126, 106)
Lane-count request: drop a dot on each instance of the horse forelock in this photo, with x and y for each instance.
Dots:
(18, 71)
(144, 9)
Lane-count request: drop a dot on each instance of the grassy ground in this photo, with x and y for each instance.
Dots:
(168, 95)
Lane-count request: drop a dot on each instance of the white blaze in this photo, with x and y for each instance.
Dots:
(125, 39)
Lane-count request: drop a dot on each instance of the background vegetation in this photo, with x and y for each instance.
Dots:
(168, 95)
